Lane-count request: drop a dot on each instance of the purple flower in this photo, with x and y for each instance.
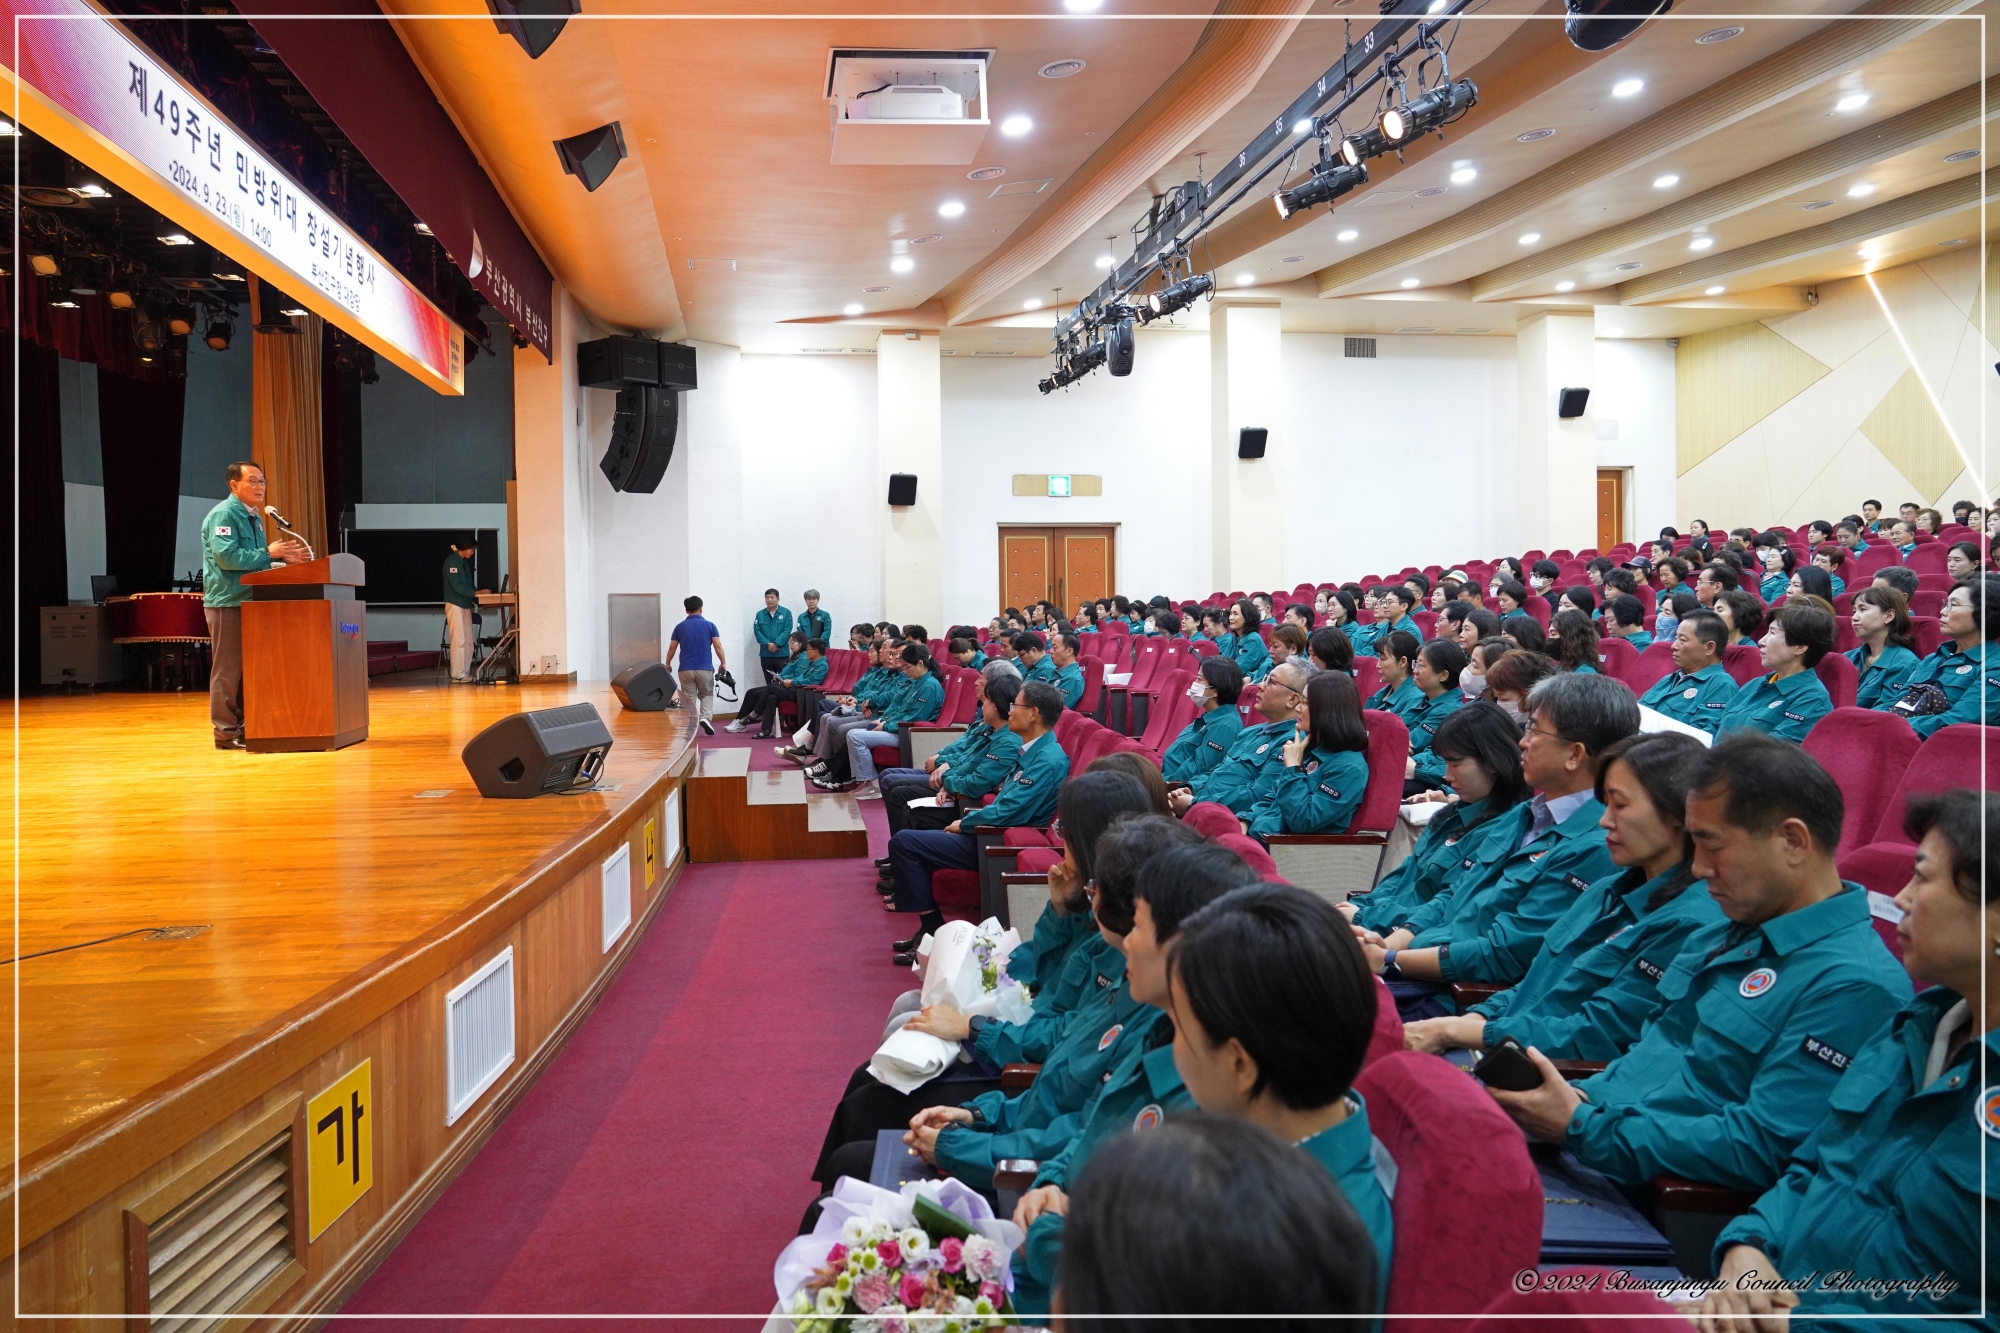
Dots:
(836, 1256)
(889, 1253)
(952, 1250)
(873, 1291)
(911, 1291)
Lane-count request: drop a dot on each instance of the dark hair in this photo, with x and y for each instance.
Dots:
(1252, 617)
(235, 470)
(1815, 582)
(1211, 1215)
(1127, 844)
(1139, 766)
(1588, 710)
(1581, 598)
(797, 636)
(1708, 627)
(1024, 642)
(1088, 611)
(1333, 712)
(1969, 822)
(1524, 629)
(1090, 803)
(1767, 782)
(1422, 580)
(816, 646)
(957, 646)
(1346, 601)
(1780, 542)
(913, 654)
(1069, 641)
(1482, 732)
(1876, 503)
(917, 632)
(1001, 687)
(1746, 613)
(1045, 699)
(691, 604)
(1522, 670)
(1901, 633)
(1620, 580)
(1181, 881)
(771, 592)
(1279, 970)
(1601, 565)
(1722, 573)
(1301, 610)
(1400, 593)
(862, 628)
(1680, 567)
(1330, 647)
(1625, 609)
(1681, 603)
(1836, 554)
(1819, 525)
(1508, 565)
(1488, 623)
(1573, 641)
(1971, 550)
(1167, 620)
(1289, 637)
(1808, 627)
(1900, 577)
(1446, 658)
(1492, 646)
(1547, 569)
(1517, 591)
(1399, 644)
(1661, 763)
(1226, 677)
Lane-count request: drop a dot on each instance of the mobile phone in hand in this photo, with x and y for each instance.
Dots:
(1508, 1067)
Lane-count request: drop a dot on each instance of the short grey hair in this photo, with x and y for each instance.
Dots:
(812, 593)
(1586, 708)
(1000, 666)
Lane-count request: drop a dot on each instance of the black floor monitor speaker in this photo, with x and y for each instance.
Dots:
(902, 488)
(646, 688)
(642, 439)
(527, 754)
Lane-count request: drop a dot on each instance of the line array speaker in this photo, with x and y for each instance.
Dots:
(642, 439)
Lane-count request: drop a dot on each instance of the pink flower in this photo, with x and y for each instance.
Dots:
(992, 1292)
(836, 1256)
(873, 1291)
(890, 1253)
(911, 1290)
(952, 1250)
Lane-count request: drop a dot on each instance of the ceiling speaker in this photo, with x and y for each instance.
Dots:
(642, 439)
(1599, 25)
(591, 156)
(535, 24)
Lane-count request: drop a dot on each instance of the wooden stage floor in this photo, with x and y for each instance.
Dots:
(306, 870)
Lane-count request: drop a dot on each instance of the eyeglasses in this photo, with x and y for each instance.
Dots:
(1539, 731)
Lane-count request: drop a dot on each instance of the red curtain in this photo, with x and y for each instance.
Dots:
(95, 332)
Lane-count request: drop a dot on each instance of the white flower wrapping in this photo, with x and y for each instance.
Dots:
(954, 974)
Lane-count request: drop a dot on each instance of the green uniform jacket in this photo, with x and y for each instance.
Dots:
(1787, 708)
(878, 685)
(1233, 782)
(1006, 1043)
(1069, 680)
(1365, 637)
(1957, 674)
(817, 625)
(1250, 653)
(1490, 928)
(968, 743)
(1890, 1184)
(1760, 1023)
(1423, 721)
(774, 632)
(1225, 645)
(1773, 586)
(1027, 799)
(1043, 670)
(1448, 847)
(1640, 640)
(920, 703)
(232, 545)
(978, 662)
(1357, 1162)
(1319, 796)
(1596, 983)
(803, 670)
(1402, 701)
(1699, 700)
(1037, 1123)
(1202, 744)
(1040, 960)
(1882, 683)
(458, 589)
(974, 773)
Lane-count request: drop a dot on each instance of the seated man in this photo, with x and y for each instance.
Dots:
(1217, 684)
(1063, 648)
(967, 769)
(1234, 782)
(1033, 658)
(877, 690)
(1764, 1012)
(1392, 614)
(1698, 690)
(1489, 929)
(1027, 799)
(1790, 701)
(795, 683)
(1888, 1185)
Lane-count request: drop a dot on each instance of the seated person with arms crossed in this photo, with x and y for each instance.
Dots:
(1216, 686)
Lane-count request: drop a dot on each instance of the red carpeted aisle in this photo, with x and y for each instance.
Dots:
(661, 1161)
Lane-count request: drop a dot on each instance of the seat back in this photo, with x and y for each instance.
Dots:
(1388, 747)
(1093, 686)
(1924, 630)
(1743, 662)
(1928, 557)
(1253, 853)
(1067, 727)
(1211, 820)
(1950, 758)
(967, 710)
(1538, 607)
(1879, 555)
(1928, 601)
(1145, 665)
(1619, 657)
(1093, 746)
(1840, 678)
(1468, 1200)
(1171, 711)
(1367, 676)
(1173, 655)
(1388, 1036)
(1866, 752)
(1426, 623)
(1651, 667)
(1203, 648)
(1246, 705)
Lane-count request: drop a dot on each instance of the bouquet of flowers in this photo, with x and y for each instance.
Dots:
(932, 1259)
(965, 966)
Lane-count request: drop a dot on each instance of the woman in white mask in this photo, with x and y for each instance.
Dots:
(1485, 652)
(1203, 743)
(1509, 679)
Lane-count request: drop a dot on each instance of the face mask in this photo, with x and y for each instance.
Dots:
(1472, 683)
(1510, 708)
(1537, 582)
(1198, 692)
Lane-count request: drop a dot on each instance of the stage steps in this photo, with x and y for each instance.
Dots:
(734, 814)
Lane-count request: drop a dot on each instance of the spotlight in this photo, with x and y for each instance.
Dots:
(1599, 25)
(1701, 243)
(1121, 344)
(1851, 102)
(1172, 300)
(535, 24)
(45, 265)
(1032, 303)
(65, 304)
(220, 331)
(119, 300)
(84, 183)
(1423, 113)
(1566, 286)
(592, 155)
(1627, 87)
(1348, 235)
(180, 321)
(1326, 185)
(1531, 237)
(146, 335)
(1666, 182)
(7, 128)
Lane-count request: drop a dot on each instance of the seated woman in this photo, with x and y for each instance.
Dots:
(1889, 1186)
(1741, 614)
(1480, 658)
(1217, 684)
(1246, 647)
(1831, 557)
(1596, 981)
(1524, 631)
(1510, 680)
(1573, 642)
(1811, 581)
(1888, 651)
(1775, 563)
(807, 667)
(1288, 644)
(1324, 770)
(1789, 701)
(1674, 608)
(1439, 666)
(1395, 661)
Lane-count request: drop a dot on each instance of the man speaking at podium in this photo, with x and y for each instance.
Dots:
(232, 545)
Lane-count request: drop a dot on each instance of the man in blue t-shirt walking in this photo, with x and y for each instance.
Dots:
(699, 644)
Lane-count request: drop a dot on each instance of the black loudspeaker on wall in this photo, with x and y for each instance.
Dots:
(646, 688)
(642, 439)
(527, 754)
(1571, 402)
(535, 24)
(1250, 441)
(1120, 345)
(902, 488)
(592, 155)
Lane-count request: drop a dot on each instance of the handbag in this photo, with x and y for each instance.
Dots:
(1923, 699)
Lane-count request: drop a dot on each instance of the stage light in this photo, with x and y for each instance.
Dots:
(853, 309)
(180, 321)
(1701, 242)
(85, 183)
(1326, 185)
(1627, 87)
(1106, 261)
(1713, 291)
(1851, 102)
(534, 24)
(220, 331)
(902, 264)
(7, 128)
(1420, 115)
(1081, 6)
(950, 208)
(175, 238)
(1303, 127)
(1172, 300)
(1245, 279)
(1016, 126)
(1565, 286)
(45, 265)
(67, 304)
(1121, 345)
(119, 300)
(1531, 237)
(1666, 182)
(424, 229)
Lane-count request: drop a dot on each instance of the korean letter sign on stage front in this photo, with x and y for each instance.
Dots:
(83, 83)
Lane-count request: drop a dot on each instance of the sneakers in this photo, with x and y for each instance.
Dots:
(707, 727)
(735, 727)
(871, 790)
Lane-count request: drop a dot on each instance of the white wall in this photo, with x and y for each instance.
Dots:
(1406, 459)
(1632, 398)
(83, 536)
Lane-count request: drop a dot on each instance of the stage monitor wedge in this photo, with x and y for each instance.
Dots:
(646, 688)
(529, 754)
(642, 439)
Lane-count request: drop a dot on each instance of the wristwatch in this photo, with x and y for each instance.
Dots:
(1389, 968)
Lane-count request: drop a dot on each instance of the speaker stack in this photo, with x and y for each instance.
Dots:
(649, 377)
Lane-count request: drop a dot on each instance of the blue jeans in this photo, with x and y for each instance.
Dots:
(861, 744)
(914, 854)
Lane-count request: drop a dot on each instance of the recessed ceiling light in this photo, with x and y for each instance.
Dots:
(1817, 204)
(853, 309)
(1291, 259)
(1304, 126)
(1851, 102)
(873, 290)
(1701, 243)
(1032, 303)
(1627, 87)
(1712, 291)
(1533, 136)
(1105, 261)
(1060, 69)
(1629, 266)
(1565, 286)
(985, 173)
(1861, 191)
(1465, 176)
(951, 208)
(1666, 182)
(925, 240)
(175, 238)
(902, 264)
(1531, 237)
(1245, 279)
(1412, 282)
(1016, 126)
(1962, 155)
(1714, 35)
(1081, 6)
(1347, 235)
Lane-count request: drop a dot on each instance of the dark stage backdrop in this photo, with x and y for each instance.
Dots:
(35, 449)
(140, 424)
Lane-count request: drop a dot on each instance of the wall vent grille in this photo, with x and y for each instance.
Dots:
(1361, 347)
(617, 894)
(212, 1253)
(478, 1033)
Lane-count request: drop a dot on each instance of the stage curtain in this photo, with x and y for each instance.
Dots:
(43, 573)
(285, 437)
(140, 425)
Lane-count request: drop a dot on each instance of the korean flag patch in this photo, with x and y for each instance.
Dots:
(222, 530)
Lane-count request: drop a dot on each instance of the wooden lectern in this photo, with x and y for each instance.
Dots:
(305, 656)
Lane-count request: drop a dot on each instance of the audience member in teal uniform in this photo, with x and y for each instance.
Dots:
(1892, 1184)
(1888, 651)
(1217, 684)
(1775, 563)
(1871, 514)
(1246, 647)
(1215, 628)
(1573, 642)
(1830, 558)
(1033, 658)
(1792, 699)
(1235, 781)
(1481, 748)
(1764, 1012)
(967, 654)
(807, 668)
(1392, 614)
(1699, 688)
(1490, 928)
(1812, 581)
(1395, 656)
(1063, 648)
(1625, 618)
(1436, 672)
(1970, 623)
(816, 623)
(1596, 982)
(1743, 614)
(1962, 560)
(1322, 773)
(773, 626)
(1903, 536)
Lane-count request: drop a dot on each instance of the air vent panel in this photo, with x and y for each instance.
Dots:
(617, 895)
(1361, 347)
(211, 1254)
(479, 1033)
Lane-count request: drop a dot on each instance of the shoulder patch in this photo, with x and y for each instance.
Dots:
(222, 530)
(1757, 983)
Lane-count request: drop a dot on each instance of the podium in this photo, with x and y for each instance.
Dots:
(305, 656)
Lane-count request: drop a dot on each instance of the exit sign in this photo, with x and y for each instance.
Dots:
(1059, 483)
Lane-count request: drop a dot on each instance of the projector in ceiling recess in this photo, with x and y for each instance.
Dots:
(907, 108)
(909, 101)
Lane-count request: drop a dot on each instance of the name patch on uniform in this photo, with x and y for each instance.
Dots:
(1795, 717)
(1334, 792)
(1716, 705)
(1819, 1050)
(1577, 882)
(1757, 983)
(1651, 971)
(1110, 1035)
(1149, 1115)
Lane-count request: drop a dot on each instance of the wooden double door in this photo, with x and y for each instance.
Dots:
(1061, 565)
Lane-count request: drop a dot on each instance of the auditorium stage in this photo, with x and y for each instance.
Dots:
(335, 899)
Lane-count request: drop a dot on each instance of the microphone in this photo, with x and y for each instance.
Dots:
(271, 512)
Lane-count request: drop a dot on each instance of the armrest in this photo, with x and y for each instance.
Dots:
(1465, 994)
(1015, 1077)
(1578, 1068)
(1363, 839)
(1017, 1180)
(1692, 1196)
